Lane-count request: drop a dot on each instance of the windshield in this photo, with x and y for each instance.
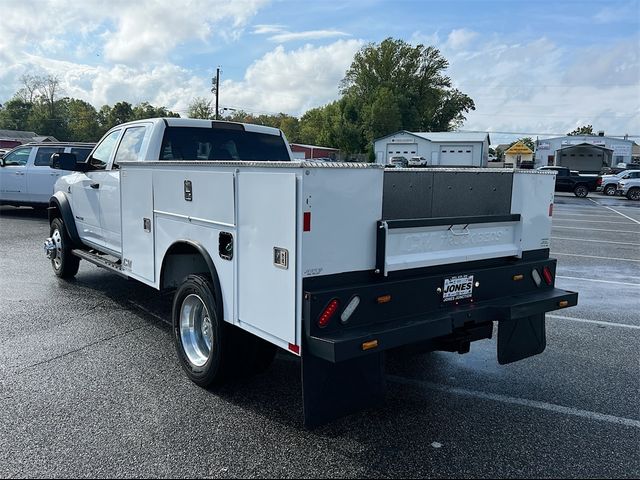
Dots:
(193, 143)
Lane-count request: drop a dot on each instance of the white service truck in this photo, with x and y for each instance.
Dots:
(333, 262)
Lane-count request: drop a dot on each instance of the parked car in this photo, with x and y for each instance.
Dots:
(26, 177)
(399, 162)
(608, 183)
(418, 162)
(630, 188)
(571, 181)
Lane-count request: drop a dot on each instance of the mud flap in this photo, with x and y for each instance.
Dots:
(334, 390)
(520, 338)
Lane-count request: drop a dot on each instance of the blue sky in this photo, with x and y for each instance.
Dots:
(534, 67)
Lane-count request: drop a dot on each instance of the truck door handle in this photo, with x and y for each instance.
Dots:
(95, 185)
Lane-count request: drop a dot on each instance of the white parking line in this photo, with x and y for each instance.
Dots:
(596, 241)
(606, 215)
(594, 256)
(596, 229)
(597, 322)
(625, 216)
(629, 284)
(589, 221)
(550, 407)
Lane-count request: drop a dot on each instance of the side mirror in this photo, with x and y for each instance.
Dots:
(1, 162)
(67, 161)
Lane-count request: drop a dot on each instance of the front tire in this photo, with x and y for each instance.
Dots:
(65, 264)
(199, 335)
(581, 191)
(633, 194)
(610, 190)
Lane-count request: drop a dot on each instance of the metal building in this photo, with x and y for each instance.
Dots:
(438, 148)
(585, 153)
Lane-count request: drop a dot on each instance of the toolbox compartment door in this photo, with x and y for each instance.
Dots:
(266, 255)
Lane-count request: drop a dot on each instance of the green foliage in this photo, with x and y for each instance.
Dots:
(528, 141)
(201, 108)
(584, 130)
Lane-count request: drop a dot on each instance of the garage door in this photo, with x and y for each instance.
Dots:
(456, 155)
(406, 150)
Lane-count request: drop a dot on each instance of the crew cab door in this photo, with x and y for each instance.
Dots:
(40, 176)
(13, 178)
(129, 149)
(85, 192)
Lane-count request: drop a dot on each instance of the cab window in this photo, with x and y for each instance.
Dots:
(17, 158)
(43, 155)
(130, 145)
(103, 151)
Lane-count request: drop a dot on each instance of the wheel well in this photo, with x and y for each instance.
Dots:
(184, 258)
(54, 211)
(181, 259)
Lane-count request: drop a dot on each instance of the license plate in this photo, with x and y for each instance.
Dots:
(457, 288)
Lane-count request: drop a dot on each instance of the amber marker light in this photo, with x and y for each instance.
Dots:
(384, 299)
(371, 344)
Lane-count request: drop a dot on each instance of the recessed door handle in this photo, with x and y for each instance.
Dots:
(95, 185)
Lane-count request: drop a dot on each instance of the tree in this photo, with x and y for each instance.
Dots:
(14, 115)
(584, 130)
(528, 141)
(201, 108)
(146, 110)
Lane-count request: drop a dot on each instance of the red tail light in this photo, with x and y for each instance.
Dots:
(599, 181)
(546, 274)
(328, 312)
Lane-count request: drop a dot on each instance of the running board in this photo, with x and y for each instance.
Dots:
(100, 261)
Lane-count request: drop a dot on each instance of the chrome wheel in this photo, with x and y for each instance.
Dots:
(634, 194)
(57, 241)
(196, 330)
(610, 190)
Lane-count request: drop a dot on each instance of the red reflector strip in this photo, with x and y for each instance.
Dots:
(551, 209)
(328, 312)
(294, 348)
(306, 223)
(546, 273)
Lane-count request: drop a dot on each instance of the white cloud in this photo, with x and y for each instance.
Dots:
(133, 32)
(308, 35)
(291, 81)
(538, 86)
(461, 37)
(282, 35)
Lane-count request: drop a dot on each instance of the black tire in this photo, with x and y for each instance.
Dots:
(215, 369)
(610, 190)
(65, 264)
(581, 191)
(633, 194)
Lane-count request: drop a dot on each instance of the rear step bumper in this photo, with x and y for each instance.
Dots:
(348, 344)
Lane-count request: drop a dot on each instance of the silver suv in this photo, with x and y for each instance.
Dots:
(25, 175)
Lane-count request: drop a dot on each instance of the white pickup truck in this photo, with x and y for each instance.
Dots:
(333, 262)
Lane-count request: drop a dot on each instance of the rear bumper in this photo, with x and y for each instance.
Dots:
(416, 311)
(344, 345)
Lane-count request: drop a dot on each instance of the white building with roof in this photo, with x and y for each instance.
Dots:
(454, 149)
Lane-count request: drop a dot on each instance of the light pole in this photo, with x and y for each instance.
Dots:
(215, 88)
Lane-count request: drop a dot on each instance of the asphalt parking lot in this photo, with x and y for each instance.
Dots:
(90, 385)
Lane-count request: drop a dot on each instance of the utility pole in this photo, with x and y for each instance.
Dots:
(215, 88)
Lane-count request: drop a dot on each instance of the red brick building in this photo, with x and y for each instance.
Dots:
(313, 151)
